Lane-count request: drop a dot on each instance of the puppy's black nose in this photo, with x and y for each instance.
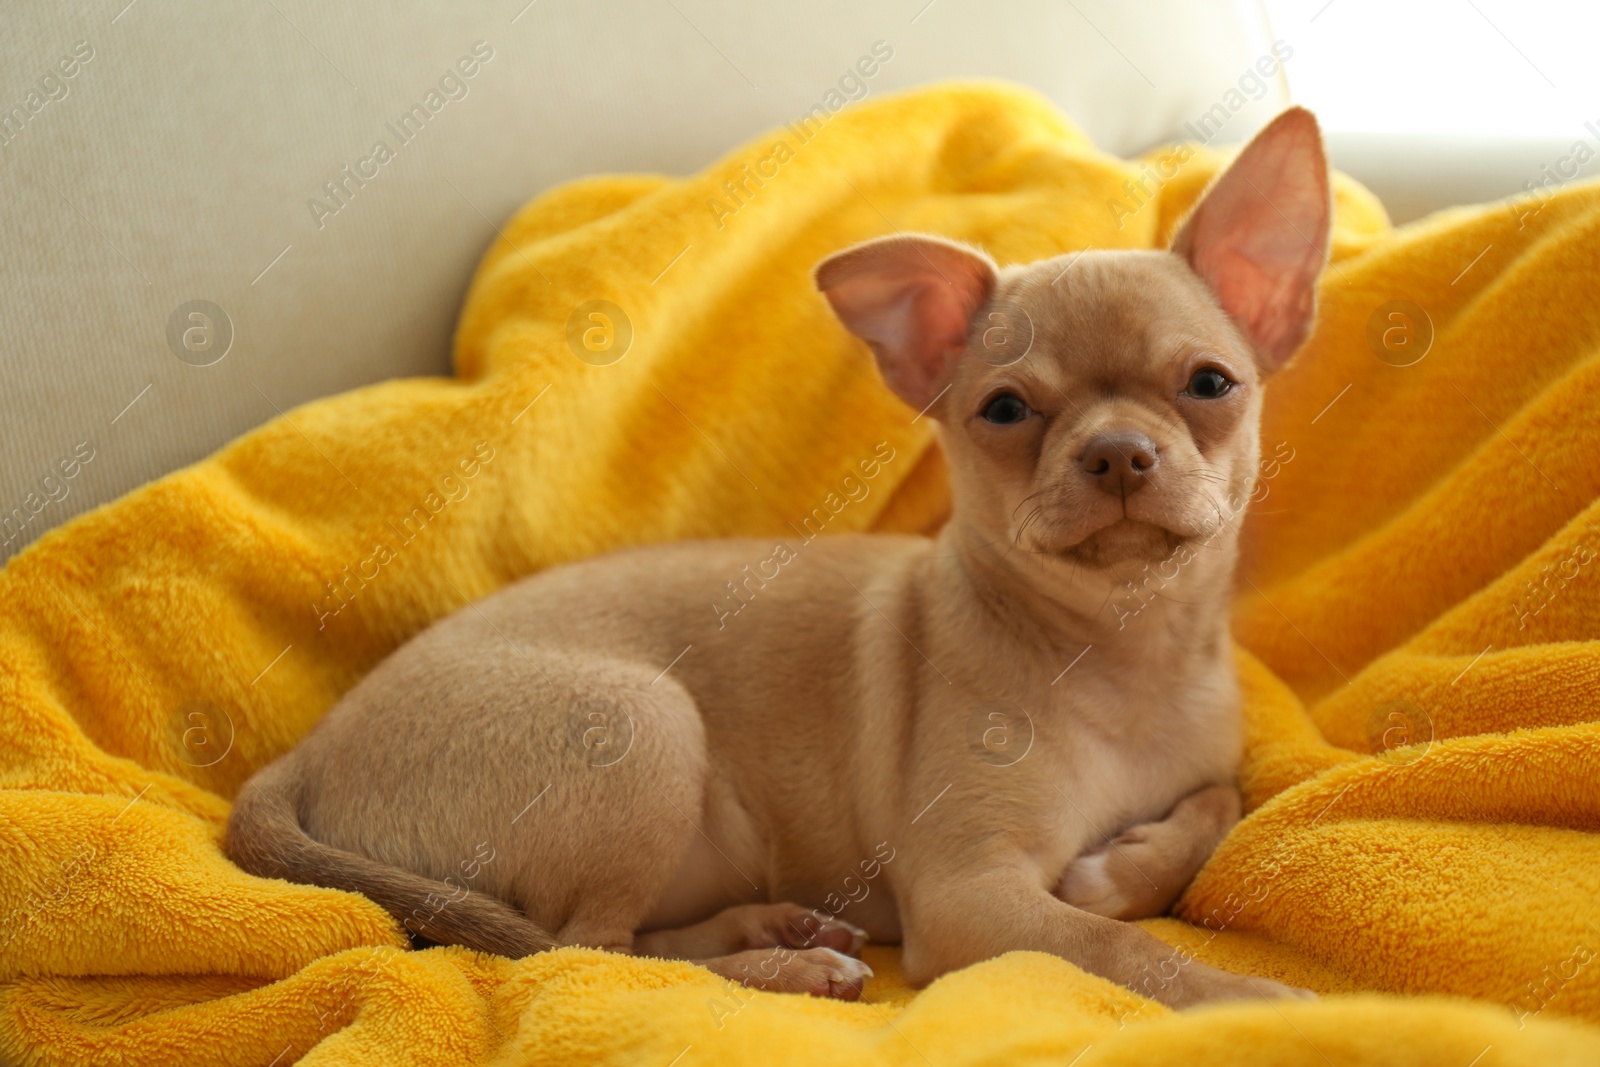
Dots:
(1119, 463)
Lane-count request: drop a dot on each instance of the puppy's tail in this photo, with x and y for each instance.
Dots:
(266, 839)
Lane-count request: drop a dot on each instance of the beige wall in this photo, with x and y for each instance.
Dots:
(177, 162)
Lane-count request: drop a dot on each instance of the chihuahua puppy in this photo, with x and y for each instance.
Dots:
(967, 744)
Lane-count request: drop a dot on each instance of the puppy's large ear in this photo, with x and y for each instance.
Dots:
(911, 297)
(1259, 237)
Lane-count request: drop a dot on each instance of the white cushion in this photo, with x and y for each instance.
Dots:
(180, 160)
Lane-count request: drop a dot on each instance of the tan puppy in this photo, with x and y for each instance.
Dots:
(924, 741)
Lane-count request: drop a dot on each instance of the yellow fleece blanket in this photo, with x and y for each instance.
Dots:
(643, 359)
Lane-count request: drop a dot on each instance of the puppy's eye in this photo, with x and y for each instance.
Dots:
(1005, 409)
(1208, 383)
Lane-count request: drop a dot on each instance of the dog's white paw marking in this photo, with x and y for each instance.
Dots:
(849, 968)
(1087, 884)
(1087, 878)
(858, 936)
(826, 972)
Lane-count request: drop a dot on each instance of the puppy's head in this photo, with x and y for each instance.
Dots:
(1103, 408)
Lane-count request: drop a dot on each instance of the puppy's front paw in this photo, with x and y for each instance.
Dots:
(798, 927)
(1203, 984)
(826, 973)
(1267, 989)
(821, 972)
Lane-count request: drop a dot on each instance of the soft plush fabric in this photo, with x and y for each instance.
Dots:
(1418, 622)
